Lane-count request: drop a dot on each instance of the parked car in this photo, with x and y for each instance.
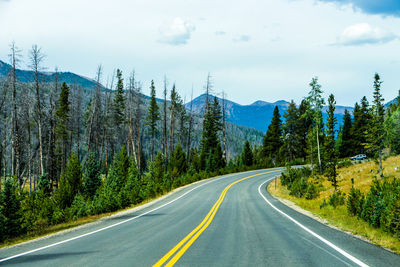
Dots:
(359, 157)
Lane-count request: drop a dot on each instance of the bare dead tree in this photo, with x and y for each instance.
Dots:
(4, 91)
(130, 111)
(15, 152)
(36, 57)
(190, 128)
(137, 121)
(208, 89)
(93, 128)
(164, 131)
(223, 127)
(51, 156)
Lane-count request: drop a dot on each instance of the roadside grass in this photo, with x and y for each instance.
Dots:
(363, 175)
(49, 230)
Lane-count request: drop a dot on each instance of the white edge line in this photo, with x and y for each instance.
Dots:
(110, 226)
(341, 251)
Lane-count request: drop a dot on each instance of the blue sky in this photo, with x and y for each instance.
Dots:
(267, 50)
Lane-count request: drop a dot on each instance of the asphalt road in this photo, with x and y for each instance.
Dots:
(224, 223)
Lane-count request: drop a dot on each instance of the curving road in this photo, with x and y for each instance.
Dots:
(223, 221)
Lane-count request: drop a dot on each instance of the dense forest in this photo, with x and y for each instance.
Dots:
(66, 153)
(371, 130)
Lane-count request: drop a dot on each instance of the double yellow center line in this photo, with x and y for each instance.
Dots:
(186, 242)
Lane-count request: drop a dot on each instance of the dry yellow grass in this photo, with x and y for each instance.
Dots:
(363, 175)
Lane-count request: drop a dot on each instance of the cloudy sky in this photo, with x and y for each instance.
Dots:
(254, 49)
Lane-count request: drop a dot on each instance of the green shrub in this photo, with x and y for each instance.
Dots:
(344, 163)
(337, 199)
(355, 201)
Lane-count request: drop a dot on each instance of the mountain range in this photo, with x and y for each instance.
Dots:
(67, 77)
(257, 115)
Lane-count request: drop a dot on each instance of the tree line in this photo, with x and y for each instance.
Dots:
(63, 157)
(373, 130)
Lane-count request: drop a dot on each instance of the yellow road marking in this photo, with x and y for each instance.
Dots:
(193, 235)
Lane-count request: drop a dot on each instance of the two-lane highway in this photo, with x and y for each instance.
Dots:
(224, 221)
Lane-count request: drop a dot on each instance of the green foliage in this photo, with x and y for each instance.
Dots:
(118, 172)
(296, 181)
(70, 183)
(247, 154)
(330, 150)
(92, 180)
(119, 101)
(44, 184)
(376, 131)
(304, 124)
(362, 117)
(211, 151)
(344, 163)
(291, 129)
(345, 149)
(337, 198)
(153, 115)
(381, 206)
(392, 131)
(10, 213)
(62, 131)
(178, 162)
(273, 137)
(355, 201)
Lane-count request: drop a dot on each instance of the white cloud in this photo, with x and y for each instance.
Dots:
(176, 33)
(363, 33)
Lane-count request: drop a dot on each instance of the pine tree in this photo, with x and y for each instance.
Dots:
(304, 124)
(273, 138)
(10, 215)
(362, 120)
(153, 116)
(316, 102)
(62, 118)
(346, 137)
(119, 102)
(247, 154)
(210, 140)
(376, 131)
(118, 173)
(291, 132)
(178, 163)
(330, 151)
(71, 182)
(92, 178)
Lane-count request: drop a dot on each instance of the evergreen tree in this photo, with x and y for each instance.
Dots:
(71, 182)
(210, 140)
(10, 216)
(304, 124)
(62, 118)
(119, 102)
(178, 163)
(153, 116)
(117, 176)
(291, 132)
(345, 149)
(376, 131)
(330, 151)
(273, 138)
(247, 154)
(362, 119)
(316, 102)
(92, 178)
(392, 128)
